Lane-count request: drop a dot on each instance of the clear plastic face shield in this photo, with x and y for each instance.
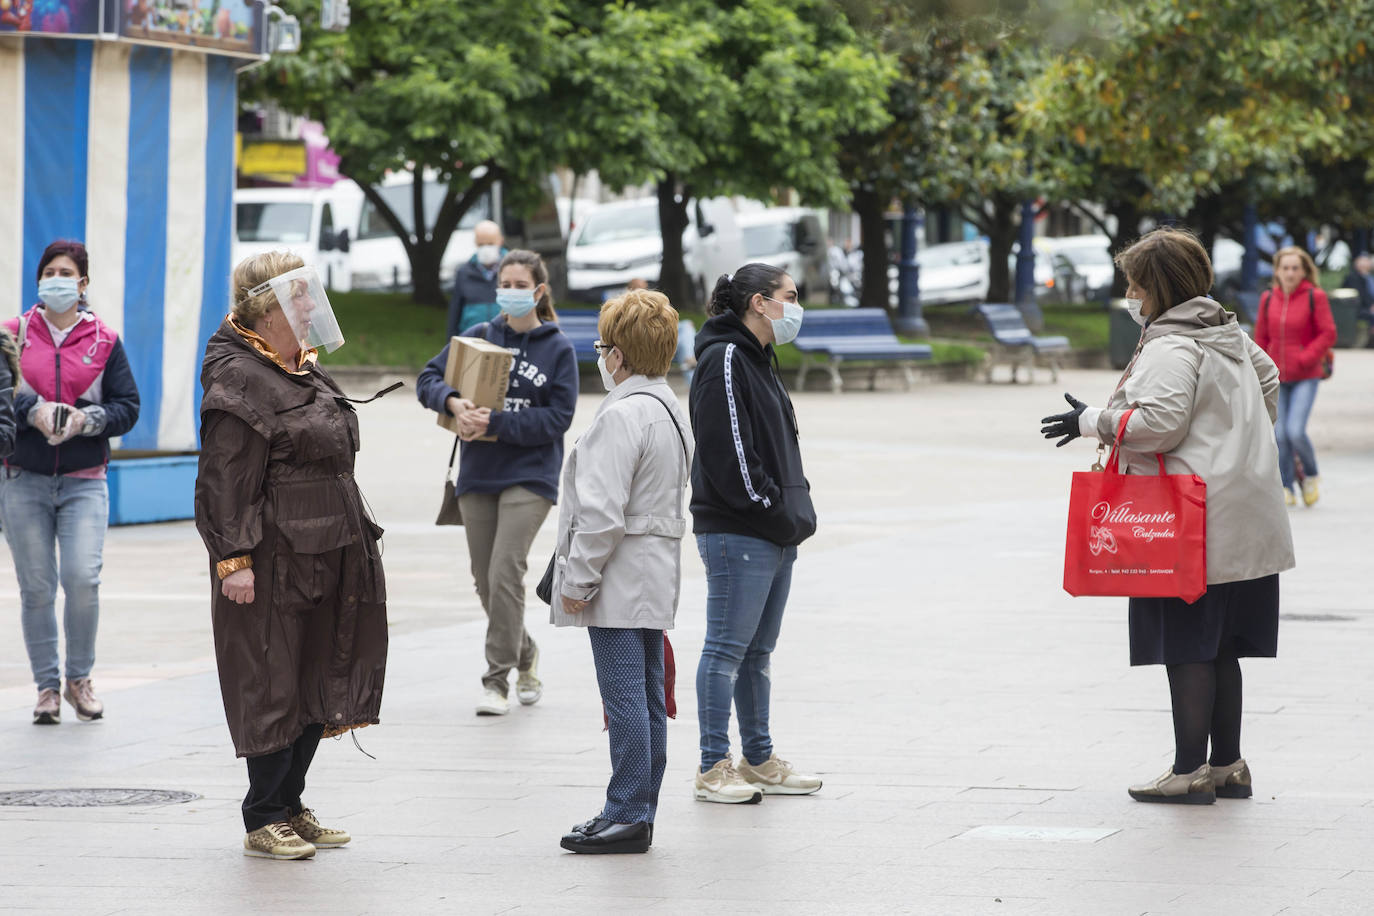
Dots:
(300, 294)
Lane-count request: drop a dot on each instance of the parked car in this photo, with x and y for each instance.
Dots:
(789, 238)
(314, 223)
(1081, 264)
(616, 242)
(954, 272)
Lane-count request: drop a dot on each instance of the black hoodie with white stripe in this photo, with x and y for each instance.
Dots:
(747, 475)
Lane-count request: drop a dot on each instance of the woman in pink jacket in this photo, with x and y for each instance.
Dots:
(1296, 329)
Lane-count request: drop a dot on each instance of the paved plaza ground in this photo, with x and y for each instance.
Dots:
(975, 726)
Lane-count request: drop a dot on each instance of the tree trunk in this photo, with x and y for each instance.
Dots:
(1002, 232)
(873, 242)
(1127, 228)
(673, 281)
(424, 274)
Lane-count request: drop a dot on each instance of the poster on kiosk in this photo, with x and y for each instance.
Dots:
(140, 167)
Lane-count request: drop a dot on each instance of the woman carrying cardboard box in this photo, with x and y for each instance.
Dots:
(506, 487)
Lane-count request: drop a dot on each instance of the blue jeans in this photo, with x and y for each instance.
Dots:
(1290, 429)
(629, 671)
(747, 581)
(45, 517)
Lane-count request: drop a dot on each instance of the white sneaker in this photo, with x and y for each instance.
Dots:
(492, 703)
(722, 783)
(776, 777)
(528, 687)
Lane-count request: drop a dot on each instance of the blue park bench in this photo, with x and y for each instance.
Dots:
(1014, 344)
(580, 327)
(832, 337)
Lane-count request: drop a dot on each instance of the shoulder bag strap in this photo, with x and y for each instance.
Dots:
(451, 456)
(681, 438)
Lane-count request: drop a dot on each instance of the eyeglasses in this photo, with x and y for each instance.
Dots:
(602, 348)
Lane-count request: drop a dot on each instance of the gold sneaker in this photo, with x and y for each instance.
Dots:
(776, 777)
(722, 783)
(276, 841)
(1288, 498)
(1193, 788)
(1309, 491)
(310, 830)
(1232, 781)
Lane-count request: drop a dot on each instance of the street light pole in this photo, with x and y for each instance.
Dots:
(909, 319)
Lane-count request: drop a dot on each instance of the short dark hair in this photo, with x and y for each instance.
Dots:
(1169, 266)
(733, 292)
(69, 247)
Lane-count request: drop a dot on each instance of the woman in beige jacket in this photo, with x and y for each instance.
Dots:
(618, 564)
(1204, 396)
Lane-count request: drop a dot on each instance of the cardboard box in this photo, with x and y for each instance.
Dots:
(479, 371)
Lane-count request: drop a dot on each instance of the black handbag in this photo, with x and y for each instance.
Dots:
(449, 512)
(545, 587)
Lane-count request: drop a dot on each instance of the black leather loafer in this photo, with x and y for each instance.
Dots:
(600, 836)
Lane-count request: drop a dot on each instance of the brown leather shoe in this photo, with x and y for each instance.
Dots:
(1233, 780)
(1193, 788)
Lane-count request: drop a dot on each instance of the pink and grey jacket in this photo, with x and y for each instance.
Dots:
(90, 371)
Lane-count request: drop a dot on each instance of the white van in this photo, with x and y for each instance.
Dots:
(316, 223)
(789, 238)
(617, 242)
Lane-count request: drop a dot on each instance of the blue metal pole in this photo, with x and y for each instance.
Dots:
(1025, 270)
(909, 318)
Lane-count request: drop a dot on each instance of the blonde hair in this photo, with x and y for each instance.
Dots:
(1169, 266)
(1309, 266)
(642, 325)
(251, 272)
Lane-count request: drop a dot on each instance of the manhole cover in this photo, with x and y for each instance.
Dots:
(1316, 618)
(92, 798)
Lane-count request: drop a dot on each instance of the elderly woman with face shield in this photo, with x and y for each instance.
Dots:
(299, 599)
(618, 563)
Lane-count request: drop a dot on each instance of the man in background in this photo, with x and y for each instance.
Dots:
(474, 288)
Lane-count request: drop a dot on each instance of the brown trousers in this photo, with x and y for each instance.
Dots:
(500, 529)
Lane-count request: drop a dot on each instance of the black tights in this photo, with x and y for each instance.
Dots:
(1206, 699)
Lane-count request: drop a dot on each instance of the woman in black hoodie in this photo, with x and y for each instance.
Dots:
(751, 507)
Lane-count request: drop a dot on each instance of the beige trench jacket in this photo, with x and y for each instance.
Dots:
(620, 519)
(1205, 396)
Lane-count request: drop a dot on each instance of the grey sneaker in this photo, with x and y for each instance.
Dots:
(775, 776)
(49, 708)
(528, 687)
(722, 784)
(1193, 788)
(82, 696)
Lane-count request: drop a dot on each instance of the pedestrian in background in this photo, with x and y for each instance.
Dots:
(298, 597)
(1362, 281)
(474, 283)
(507, 486)
(76, 391)
(751, 507)
(1296, 329)
(618, 566)
(1204, 396)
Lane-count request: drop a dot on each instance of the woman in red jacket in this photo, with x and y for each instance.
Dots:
(1296, 329)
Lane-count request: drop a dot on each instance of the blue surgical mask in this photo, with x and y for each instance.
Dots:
(517, 303)
(786, 328)
(59, 294)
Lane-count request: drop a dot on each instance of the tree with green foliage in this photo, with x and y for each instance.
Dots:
(708, 99)
(457, 90)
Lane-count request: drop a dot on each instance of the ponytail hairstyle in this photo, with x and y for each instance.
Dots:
(532, 262)
(732, 293)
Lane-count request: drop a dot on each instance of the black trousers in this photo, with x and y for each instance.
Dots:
(276, 781)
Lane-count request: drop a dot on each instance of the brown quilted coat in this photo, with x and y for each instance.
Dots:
(276, 482)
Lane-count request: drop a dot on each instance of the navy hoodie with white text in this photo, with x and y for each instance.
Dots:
(528, 451)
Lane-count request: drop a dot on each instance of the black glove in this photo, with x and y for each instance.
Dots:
(1064, 424)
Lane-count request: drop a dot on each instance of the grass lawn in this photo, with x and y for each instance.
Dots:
(387, 329)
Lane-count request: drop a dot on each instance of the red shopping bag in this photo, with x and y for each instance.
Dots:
(1136, 536)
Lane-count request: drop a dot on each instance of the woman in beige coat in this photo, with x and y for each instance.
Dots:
(617, 566)
(1204, 396)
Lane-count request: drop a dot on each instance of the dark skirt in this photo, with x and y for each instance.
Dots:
(1232, 619)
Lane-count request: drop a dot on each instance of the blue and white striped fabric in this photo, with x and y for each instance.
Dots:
(130, 149)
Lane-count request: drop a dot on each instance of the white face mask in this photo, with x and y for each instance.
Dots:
(785, 329)
(606, 378)
(488, 255)
(1134, 306)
